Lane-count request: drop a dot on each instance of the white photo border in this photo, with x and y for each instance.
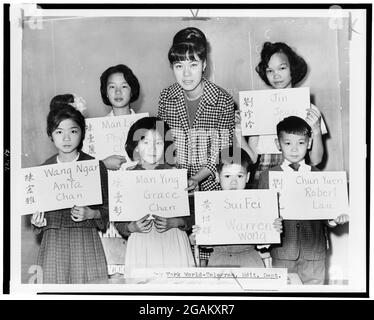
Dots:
(357, 144)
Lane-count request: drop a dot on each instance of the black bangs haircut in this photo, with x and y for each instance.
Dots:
(186, 51)
(60, 110)
(298, 65)
(234, 155)
(129, 76)
(294, 125)
(139, 129)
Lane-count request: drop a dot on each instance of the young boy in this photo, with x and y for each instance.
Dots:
(233, 172)
(303, 247)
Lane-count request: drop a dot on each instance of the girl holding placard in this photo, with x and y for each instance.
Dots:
(119, 87)
(280, 68)
(159, 242)
(71, 250)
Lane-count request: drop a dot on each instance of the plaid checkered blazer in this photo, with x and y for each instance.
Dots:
(61, 218)
(212, 128)
(304, 239)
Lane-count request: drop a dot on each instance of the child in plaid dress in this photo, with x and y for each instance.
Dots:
(71, 250)
(280, 68)
(159, 242)
(119, 87)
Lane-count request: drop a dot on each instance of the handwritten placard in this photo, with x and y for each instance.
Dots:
(261, 110)
(236, 217)
(135, 193)
(240, 278)
(59, 186)
(106, 136)
(310, 195)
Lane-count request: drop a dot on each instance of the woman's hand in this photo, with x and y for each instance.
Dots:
(38, 219)
(142, 225)
(164, 224)
(278, 224)
(193, 184)
(114, 162)
(313, 118)
(79, 214)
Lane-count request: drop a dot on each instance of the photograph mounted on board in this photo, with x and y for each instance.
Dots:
(179, 116)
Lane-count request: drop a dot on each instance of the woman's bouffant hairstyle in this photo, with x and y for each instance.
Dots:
(61, 110)
(298, 65)
(129, 76)
(140, 128)
(187, 44)
(234, 155)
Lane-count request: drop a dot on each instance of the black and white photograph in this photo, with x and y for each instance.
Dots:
(181, 150)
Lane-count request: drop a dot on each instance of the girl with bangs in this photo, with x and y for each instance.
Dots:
(159, 242)
(199, 113)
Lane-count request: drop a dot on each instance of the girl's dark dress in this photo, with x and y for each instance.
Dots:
(71, 252)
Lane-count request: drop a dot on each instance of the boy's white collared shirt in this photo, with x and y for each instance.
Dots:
(303, 166)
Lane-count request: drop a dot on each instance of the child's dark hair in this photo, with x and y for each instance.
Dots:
(294, 125)
(234, 155)
(138, 131)
(298, 65)
(188, 43)
(61, 110)
(129, 76)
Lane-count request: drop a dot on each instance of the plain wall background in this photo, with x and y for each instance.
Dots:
(69, 55)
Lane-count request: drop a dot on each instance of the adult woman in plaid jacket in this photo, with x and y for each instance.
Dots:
(199, 113)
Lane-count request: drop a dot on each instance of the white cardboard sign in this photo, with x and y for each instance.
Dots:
(310, 195)
(236, 217)
(106, 136)
(261, 110)
(135, 193)
(59, 186)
